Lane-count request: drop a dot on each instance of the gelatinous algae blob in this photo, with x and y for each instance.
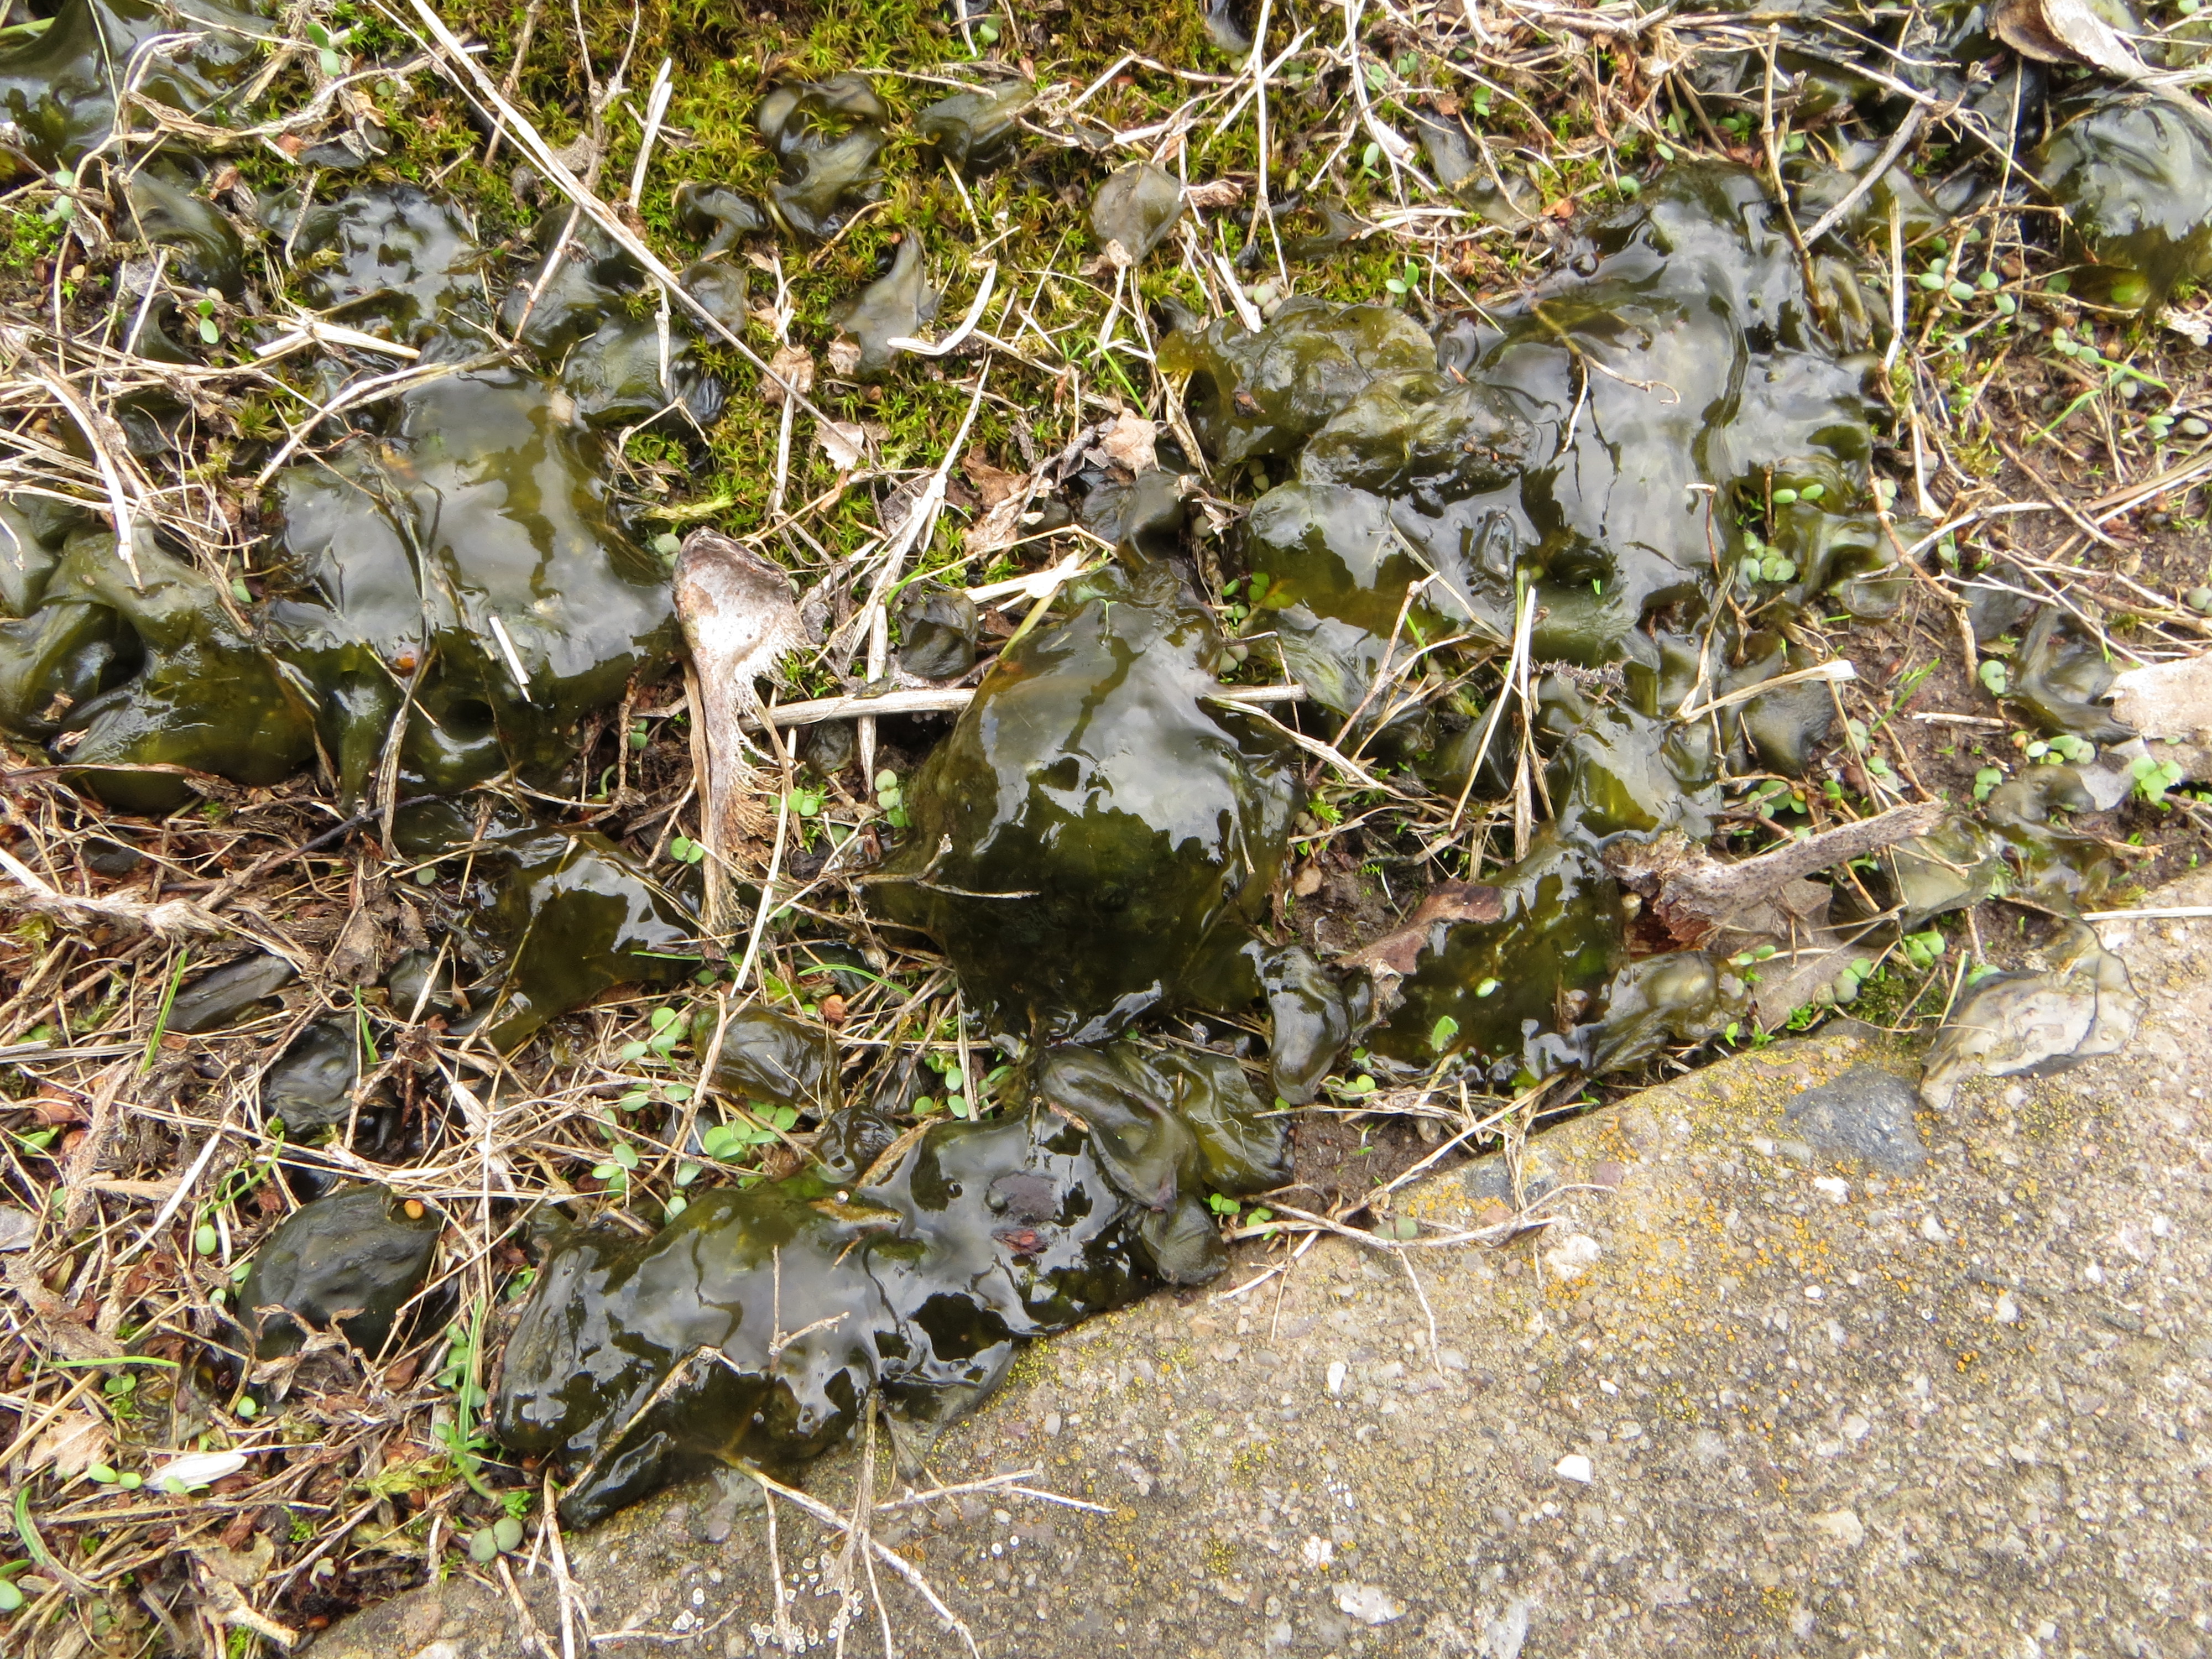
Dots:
(135, 681)
(1662, 418)
(1602, 437)
(57, 89)
(462, 563)
(1096, 835)
(2134, 177)
(756, 1325)
(826, 135)
(482, 516)
(355, 1257)
(556, 916)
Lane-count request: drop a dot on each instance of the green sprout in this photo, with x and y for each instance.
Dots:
(2152, 778)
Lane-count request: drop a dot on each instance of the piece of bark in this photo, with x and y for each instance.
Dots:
(1694, 895)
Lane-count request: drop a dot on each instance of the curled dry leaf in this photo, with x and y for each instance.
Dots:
(243, 1567)
(739, 615)
(71, 1443)
(19, 1228)
(1213, 193)
(994, 485)
(1129, 442)
(2065, 31)
(843, 441)
(998, 528)
(199, 1468)
(794, 364)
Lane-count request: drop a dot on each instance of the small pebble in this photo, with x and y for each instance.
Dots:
(2199, 599)
(1575, 1466)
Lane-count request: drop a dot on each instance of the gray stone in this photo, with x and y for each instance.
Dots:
(1866, 1114)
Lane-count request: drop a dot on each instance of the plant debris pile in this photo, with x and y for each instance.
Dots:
(687, 752)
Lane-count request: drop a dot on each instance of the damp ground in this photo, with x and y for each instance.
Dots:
(360, 802)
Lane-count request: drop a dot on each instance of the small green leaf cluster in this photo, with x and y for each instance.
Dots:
(890, 794)
(2065, 747)
(2153, 777)
(1922, 950)
(727, 1143)
(1852, 979)
(1237, 1216)
(668, 1031)
(1761, 563)
(616, 1167)
(1237, 610)
(487, 1544)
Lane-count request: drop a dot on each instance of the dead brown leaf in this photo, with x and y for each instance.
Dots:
(794, 363)
(993, 484)
(1397, 951)
(842, 443)
(2065, 31)
(1214, 193)
(71, 1443)
(998, 528)
(1129, 442)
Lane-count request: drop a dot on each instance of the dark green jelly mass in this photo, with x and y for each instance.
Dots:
(1132, 826)
(768, 1057)
(716, 216)
(2018, 851)
(1604, 435)
(914, 1279)
(399, 555)
(1549, 985)
(57, 88)
(2059, 676)
(981, 1234)
(892, 308)
(2134, 175)
(1167, 1128)
(975, 130)
(399, 560)
(1134, 210)
(310, 1085)
(204, 248)
(826, 135)
(1510, 987)
(394, 253)
(221, 998)
(357, 1254)
(1263, 393)
(557, 916)
(937, 631)
(134, 682)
